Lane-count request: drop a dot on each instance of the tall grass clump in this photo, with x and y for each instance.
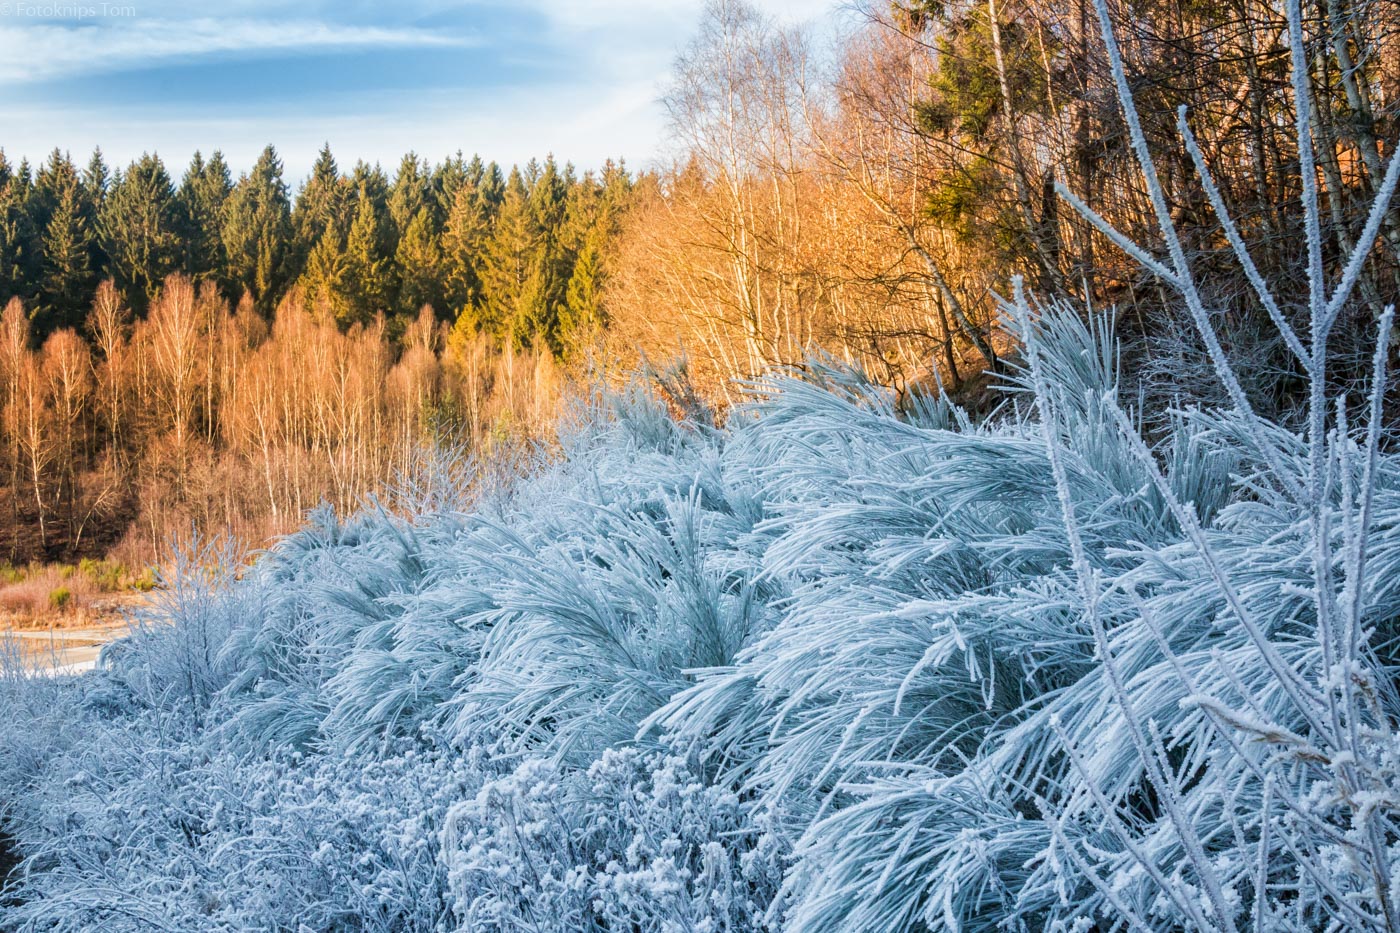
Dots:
(843, 664)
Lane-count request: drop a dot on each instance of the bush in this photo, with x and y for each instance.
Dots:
(145, 581)
(107, 576)
(637, 842)
(60, 598)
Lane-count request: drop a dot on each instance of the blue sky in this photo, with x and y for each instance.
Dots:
(506, 78)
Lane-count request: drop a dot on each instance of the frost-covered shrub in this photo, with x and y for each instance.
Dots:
(158, 832)
(639, 841)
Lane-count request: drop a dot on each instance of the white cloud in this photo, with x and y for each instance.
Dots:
(624, 51)
(46, 49)
(578, 123)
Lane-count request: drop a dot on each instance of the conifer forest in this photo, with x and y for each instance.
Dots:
(951, 484)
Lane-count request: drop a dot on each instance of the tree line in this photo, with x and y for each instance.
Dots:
(515, 255)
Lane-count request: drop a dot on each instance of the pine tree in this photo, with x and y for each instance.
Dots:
(595, 208)
(95, 181)
(257, 231)
(141, 229)
(200, 205)
(447, 179)
(547, 281)
(368, 180)
(320, 206)
(323, 279)
(505, 264)
(364, 279)
(463, 242)
(419, 264)
(96, 178)
(408, 196)
(54, 177)
(582, 316)
(19, 245)
(61, 211)
(490, 185)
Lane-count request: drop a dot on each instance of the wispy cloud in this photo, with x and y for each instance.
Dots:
(46, 50)
(375, 78)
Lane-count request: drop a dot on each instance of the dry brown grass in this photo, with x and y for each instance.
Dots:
(65, 595)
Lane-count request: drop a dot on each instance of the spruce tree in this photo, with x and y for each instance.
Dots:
(364, 278)
(447, 179)
(320, 205)
(322, 280)
(66, 279)
(19, 244)
(463, 243)
(95, 181)
(54, 177)
(492, 184)
(200, 205)
(549, 262)
(141, 229)
(582, 316)
(419, 266)
(505, 264)
(61, 212)
(408, 196)
(368, 181)
(593, 221)
(257, 231)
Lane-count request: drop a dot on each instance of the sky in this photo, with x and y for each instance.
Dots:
(509, 79)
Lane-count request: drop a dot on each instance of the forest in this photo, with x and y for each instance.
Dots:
(867, 198)
(140, 398)
(959, 491)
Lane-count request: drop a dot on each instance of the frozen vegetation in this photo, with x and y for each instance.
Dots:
(835, 666)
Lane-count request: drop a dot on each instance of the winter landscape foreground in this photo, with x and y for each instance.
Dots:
(843, 662)
(831, 667)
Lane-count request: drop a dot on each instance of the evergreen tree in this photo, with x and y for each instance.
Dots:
(141, 228)
(492, 184)
(323, 279)
(463, 242)
(505, 261)
(408, 196)
(96, 178)
(24, 177)
(53, 179)
(582, 315)
(320, 206)
(200, 205)
(67, 277)
(594, 220)
(95, 181)
(368, 181)
(257, 230)
(364, 278)
(19, 245)
(63, 214)
(419, 263)
(448, 178)
(547, 280)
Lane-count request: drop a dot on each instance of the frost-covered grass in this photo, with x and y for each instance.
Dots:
(834, 667)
